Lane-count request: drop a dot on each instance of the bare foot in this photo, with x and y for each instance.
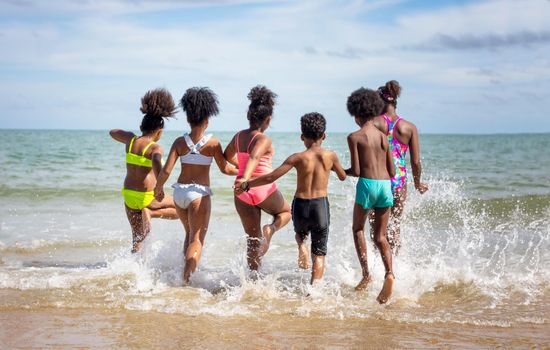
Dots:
(267, 231)
(387, 289)
(136, 247)
(303, 256)
(364, 283)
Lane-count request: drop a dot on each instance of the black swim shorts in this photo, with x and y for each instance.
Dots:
(312, 215)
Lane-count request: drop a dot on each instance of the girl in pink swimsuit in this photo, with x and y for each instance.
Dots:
(402, 136)
(251, 151)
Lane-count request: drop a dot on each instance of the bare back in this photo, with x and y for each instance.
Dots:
(313, 168)
(140, 178)
(370, 153)
(194, 173)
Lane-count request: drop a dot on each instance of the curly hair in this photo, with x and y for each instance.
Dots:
(199, 103)
(261, 105)
(313, 125)
(156, 104)
(365, 103)
(390, 92)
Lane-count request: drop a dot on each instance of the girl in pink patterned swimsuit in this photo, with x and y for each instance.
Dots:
(251, 150)
(402, 136)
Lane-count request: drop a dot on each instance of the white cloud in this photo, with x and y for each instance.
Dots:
(312, 53)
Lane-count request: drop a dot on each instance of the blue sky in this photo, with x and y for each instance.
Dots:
(465, 66)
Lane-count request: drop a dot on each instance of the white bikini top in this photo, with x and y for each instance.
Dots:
(194, 156)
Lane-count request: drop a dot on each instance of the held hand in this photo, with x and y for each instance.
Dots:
(422, 187)
(159, 194)
(238, 186)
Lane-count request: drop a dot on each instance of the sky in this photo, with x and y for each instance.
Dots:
(465, 66)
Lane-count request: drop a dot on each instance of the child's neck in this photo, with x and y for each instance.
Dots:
(197, 131)
(312, 144)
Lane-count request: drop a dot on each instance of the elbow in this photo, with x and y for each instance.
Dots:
(416, 163)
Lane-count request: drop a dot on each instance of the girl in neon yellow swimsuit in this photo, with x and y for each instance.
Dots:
(143, 164)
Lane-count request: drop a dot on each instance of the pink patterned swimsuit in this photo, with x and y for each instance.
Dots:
(399, 152)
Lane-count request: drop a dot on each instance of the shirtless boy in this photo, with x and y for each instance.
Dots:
(371, 161)
(310, 207)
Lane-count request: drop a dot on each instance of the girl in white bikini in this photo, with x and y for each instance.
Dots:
(192, 192)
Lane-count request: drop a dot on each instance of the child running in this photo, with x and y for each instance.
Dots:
(143, 164)
(372, 162)
(192, 193)
(310, 207)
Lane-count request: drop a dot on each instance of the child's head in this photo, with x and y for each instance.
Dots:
(156, 105)
(365, 104)
(199, 103)
(389, 93)
(313, 126)
(261, 105)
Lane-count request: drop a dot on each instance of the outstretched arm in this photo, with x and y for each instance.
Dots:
(416, 165)
(337, 167)
(354, 156)
(121, 135)
(164, 174)
(243, 185)
(223, 164)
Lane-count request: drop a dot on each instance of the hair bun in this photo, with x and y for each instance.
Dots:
(158, 103)
(261, 96)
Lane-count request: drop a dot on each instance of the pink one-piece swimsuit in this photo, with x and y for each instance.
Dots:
(255, 195)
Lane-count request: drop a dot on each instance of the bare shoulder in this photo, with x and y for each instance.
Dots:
(404, 125)
(353, 136)
(156, 148)
(381, 124)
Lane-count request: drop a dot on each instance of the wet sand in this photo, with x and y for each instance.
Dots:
(121, 329)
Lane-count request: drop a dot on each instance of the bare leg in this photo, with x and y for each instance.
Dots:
(359, 217)
(251, 219)
(381, 217)
(198, 217)
(394, 227)
(318, 269)
(303, 252)
(139, 229)
(165, 209)
(184, 218)
(276, 206)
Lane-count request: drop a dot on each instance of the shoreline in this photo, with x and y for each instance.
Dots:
(72, 328)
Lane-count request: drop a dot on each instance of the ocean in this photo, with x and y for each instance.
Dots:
(473, 270)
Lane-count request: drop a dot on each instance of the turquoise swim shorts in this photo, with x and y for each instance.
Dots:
(371, 193)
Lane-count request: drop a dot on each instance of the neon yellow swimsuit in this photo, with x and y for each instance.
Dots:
(138, 160)
(138, 200)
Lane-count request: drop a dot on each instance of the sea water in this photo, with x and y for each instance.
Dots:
(474, 247)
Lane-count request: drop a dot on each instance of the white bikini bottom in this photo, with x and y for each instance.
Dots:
(184, 194)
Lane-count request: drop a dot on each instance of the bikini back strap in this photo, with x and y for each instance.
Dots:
(195, 148)
(131, 143)
(146, 148)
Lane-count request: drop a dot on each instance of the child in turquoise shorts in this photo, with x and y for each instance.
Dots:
(371, 161)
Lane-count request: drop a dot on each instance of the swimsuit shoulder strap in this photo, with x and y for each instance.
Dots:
(203, 142)
(189, 142)
(146, 148)
(131, 143)
(249, 143)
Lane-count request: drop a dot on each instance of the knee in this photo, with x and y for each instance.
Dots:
(357, 229)
(380, 240)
